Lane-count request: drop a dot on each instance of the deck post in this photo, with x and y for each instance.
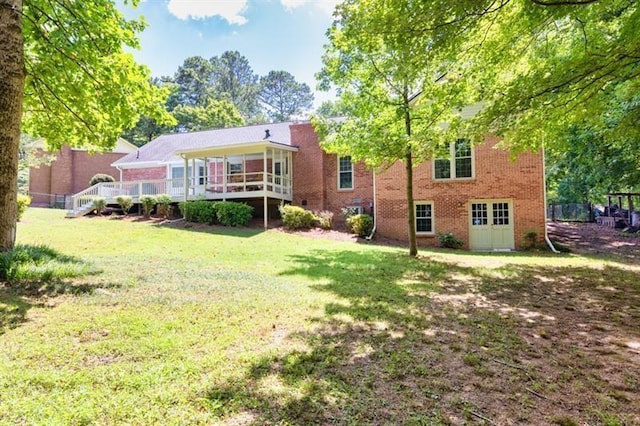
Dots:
(224, 178)
(264, 188)
(186, 179)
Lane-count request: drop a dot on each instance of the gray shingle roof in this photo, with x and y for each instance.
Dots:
(162, 148)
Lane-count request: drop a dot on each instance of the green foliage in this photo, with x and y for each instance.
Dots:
(148, 202)
(198, 211)
(101, 177)
(448, 240)
(214, 115)
(125, 202)
(38, 263)
(229, 213)
(294, 217)
(99, 204)
(23, 202)
(164, 201)
(283, 97)
(585, 166)
(324, 219)
(360, 224)
(530, 240)
(101, 92)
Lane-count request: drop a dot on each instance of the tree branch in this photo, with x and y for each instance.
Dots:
(563, 2)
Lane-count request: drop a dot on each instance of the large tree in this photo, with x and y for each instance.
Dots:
(283, 97)
(65, 77)
(233, 79)
(538, 65)
(214, 115)
(394, 96)
(193, 80)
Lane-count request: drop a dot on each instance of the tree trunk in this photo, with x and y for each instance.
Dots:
(411, 214)
(11, 93)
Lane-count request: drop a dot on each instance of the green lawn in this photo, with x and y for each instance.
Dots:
(240, 326)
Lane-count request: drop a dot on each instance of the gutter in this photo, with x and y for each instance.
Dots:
(544, 189)
(375, 209)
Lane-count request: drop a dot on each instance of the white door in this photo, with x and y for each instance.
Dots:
(491, 225)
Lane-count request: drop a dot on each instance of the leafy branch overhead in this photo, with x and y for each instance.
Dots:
(81, 88)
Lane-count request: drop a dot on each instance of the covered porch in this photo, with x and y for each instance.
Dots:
(261, 170)
(254, 172)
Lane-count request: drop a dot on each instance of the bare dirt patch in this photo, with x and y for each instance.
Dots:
(593, 239)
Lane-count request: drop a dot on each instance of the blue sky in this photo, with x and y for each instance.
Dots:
(272, 34)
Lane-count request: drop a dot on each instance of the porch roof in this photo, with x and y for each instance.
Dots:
(163, 149)
(233, 149)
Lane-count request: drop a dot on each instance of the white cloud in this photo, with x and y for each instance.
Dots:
(326, 6)
(231, 10)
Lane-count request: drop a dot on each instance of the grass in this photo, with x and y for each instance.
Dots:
(164, 325)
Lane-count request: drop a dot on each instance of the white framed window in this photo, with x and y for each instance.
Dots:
(177, 175)
(424, 217)
(345, 172)
(458, 165)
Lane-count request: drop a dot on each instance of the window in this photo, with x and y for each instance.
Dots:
(235, 168)
(345, 172)
(459, 165)
(479, 214)
(424, 218)
(500, 213)
(177, 176)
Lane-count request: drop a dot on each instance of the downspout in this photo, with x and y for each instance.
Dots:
(544, 192)
(375, 209)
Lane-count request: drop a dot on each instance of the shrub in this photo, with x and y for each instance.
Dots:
(23, 203)
(98, 204)
(164, 201)
(448, 240)
(294, 217)
(229, 213)
(125, 202)
(530, 240)
(324, 219)
(360, 224)
(198, 211)
(148, 202)
(101, 177)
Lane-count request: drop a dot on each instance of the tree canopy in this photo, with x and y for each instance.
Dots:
(283, 97)
(65, 77)
(395, 98)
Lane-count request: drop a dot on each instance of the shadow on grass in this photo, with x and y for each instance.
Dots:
(230, 231)
(412, 341)
(29, 274)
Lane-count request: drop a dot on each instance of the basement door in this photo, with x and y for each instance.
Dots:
(491, 225)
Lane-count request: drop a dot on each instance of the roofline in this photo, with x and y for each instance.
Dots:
(232, 147)
(137, 165)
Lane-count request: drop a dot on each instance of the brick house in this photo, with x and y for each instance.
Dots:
(71, 172)
(478, 193)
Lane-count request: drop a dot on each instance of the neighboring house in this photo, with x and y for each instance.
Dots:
(71, 172)
(478, 193)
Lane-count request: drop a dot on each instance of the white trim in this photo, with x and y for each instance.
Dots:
(433, 218)
(353, 174)
(452, 165)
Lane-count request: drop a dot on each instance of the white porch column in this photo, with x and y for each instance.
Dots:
(224, 178)
(186, 179)
(264, 188)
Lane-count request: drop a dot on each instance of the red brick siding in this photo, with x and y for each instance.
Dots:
(69, 173)
(361, 195)
(315, 176)
(496, 177)
(149, 173)
(308, 168)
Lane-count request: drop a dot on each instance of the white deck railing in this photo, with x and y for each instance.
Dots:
(242, 185)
